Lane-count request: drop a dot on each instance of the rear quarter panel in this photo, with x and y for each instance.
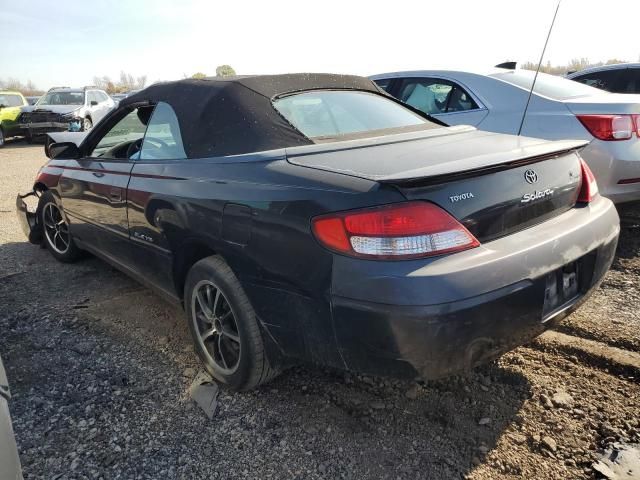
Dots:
(254, 211)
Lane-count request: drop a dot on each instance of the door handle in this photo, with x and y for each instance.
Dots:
(115, 194)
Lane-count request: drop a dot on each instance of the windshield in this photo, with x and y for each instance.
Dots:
(62, 98)
(550, 86)
(10, 100)
(325, 114)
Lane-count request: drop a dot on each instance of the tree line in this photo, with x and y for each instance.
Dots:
(125, 83)
(574, 65)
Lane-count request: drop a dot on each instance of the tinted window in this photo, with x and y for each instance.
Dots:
(433, 96)
(9, 100)
(630, 81)
(116, 142)
(163, 140)
(605, 80)
(328, 114)
(383, 83)
(557, 88)
(62, 98)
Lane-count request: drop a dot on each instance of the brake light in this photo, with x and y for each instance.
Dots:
(636, 123)
(396, 231)
(610, 127)
(589, 188)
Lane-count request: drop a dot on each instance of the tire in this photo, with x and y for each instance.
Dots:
(55, 230)
(2, 141)
(87, 124)
(211, 283)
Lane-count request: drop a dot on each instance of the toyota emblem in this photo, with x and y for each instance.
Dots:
(530, 176)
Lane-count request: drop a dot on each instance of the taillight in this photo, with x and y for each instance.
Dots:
(589, 188)
(396, 231)
(636, 123)
(610, 127)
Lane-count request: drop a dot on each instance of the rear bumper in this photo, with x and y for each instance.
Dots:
(452, 313)
(613, 162)
(28, 219)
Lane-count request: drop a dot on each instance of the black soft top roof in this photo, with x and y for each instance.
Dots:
(234, 115)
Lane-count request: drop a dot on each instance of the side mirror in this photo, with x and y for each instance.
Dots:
(63, 150)
(93, 103)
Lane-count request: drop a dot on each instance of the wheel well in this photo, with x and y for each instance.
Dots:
(189, 253)
(40, 187)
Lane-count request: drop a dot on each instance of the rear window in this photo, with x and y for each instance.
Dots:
(329, 114)
(557, 88)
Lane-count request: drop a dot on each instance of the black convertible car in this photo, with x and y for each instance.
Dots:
(312, 217)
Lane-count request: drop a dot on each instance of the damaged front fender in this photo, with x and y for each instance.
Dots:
(28, 218)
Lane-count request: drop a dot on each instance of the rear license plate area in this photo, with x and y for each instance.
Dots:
(561, 288)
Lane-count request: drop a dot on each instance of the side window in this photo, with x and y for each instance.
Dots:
(383, 83)
(630, 81)
(123, 140)
(102, 97)
(163, 140)
(434, 96)
(91, 98)
(605, 80)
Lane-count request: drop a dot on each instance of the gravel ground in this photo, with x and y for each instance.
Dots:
(100, 369)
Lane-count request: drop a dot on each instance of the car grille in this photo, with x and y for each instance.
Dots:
(37, 117)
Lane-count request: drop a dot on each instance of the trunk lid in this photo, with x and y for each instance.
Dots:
(607, 103)
(494, 184)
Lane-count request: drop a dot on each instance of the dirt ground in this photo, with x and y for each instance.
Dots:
(100, 369)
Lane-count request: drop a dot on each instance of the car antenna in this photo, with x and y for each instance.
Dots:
(526, 107)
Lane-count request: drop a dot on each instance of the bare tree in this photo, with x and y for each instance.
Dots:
(28, 89)
(141, 81)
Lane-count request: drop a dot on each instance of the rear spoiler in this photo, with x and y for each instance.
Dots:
(485, 170)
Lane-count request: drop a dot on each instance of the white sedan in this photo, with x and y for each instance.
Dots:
(559, 109)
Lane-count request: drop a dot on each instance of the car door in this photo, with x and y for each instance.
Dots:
(151, 198)
(93, 187)
(104, 105)
(441, 98)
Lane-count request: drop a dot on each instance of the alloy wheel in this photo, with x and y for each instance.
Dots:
(87, 125)
(216, 325)
(56, 229)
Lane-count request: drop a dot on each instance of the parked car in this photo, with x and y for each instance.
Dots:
(9, 461)
(65, 109)
(32, 100)
(313, 217)
(120, 96)
(617, 78)
(10, 105)
(559, 109)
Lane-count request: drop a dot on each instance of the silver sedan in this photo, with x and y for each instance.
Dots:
(559, 109)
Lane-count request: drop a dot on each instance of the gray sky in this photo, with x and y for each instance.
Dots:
(68, 42)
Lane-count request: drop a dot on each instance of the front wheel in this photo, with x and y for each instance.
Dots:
(55, 229)
(1, 137)
(224, 328)
(87, 124)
